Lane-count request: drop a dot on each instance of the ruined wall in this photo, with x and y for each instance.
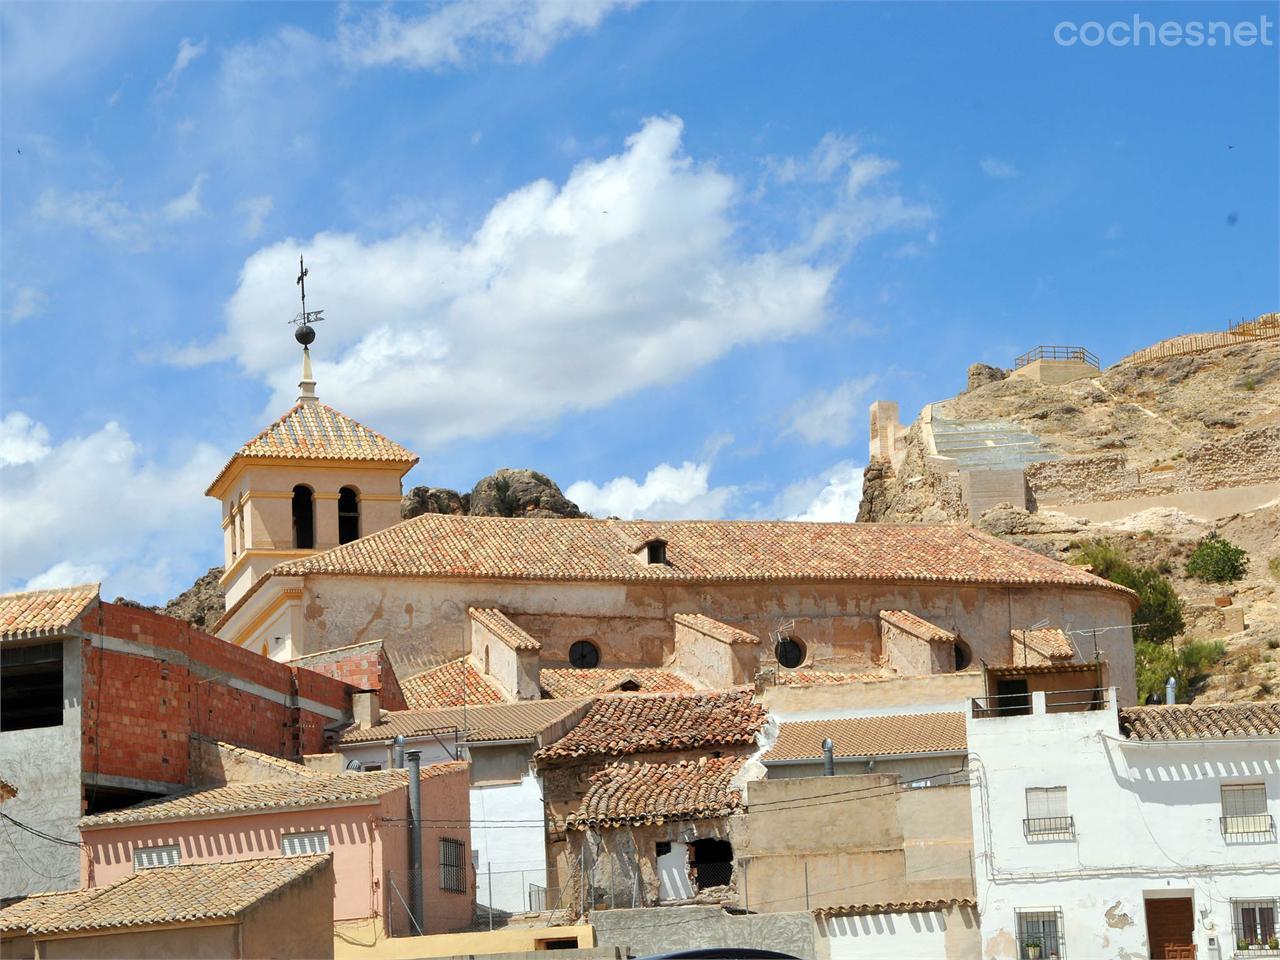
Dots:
(665, 929)
(424, 622)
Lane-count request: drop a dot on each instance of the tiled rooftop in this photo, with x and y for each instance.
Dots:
(264, 795)
(616, 726)
(522, 720)
(1219, 721)
(1036, 648)
(496, 622)
(875, 736)
(715, 629)
(899, 906)
(916, 626)
(807, 678)
(574, 683)
(316, 431)
(453, 684)
(168, 895)
(698, 551)
(43, 613)
(624, 793)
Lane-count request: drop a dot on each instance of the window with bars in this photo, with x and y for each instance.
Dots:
(148, 858)
(1244, 812)
(1040, 934)
(1047, 817)
(303, 844)
(453, 854)
(1253, 924)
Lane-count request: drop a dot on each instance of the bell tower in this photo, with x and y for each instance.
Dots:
(312, 480)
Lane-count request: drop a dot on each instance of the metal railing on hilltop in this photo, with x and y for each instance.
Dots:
(1048, 352)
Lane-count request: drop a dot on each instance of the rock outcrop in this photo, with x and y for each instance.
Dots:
(202, 604)
(506, 493)
(980, 374)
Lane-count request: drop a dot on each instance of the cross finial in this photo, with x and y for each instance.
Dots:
(305, 335)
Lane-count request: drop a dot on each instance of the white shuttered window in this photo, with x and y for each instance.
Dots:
(147, 858)
(302, 844)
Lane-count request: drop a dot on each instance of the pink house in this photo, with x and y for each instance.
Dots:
(361, 818)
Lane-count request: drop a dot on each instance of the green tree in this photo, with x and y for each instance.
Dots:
(1217, 560)
(1186, 662)
(1159, 608)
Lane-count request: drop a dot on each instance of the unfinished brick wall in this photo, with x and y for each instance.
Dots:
(153, 680)
(365, 667)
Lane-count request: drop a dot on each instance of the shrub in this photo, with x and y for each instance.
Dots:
(1186, 663)
(1217, 560)
(1274, 566)
(1159, 607)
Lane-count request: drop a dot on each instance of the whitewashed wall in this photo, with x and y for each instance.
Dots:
(886, 936)
(509, 840)
(1146, 826)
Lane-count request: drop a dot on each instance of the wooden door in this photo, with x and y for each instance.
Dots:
(1171, 929)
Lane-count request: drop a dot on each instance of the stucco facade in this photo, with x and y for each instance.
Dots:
(424, 621)
(1146, 831)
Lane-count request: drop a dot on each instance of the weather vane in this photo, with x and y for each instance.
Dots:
(304, 334)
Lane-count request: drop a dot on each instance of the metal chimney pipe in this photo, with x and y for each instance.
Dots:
(1171, 691)
(415, 839)
(828, 758)
(397, 752)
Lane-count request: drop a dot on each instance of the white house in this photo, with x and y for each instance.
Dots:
(508, 821)
(1142, 832)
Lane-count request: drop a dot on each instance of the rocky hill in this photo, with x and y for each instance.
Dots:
(1152, 456)
(506, 493)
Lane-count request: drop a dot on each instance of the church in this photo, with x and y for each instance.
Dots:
(317, 558)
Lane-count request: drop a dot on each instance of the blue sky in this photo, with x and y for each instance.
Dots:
(666, 253)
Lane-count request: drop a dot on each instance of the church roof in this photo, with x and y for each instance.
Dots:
(315, 431)
(698, 551)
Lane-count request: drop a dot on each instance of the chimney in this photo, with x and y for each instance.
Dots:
(828, 758)
(415, 840)
(364, 707)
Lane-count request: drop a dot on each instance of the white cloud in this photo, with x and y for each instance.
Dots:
(666, 493)
(66, 574)
(188, 52)
(456, 34)
(113, 220)
(24, 302)
(633, 272)
(95, 499)
(829, 416)
(255, 211)
(22, 440)
(998, 169)
(187, 205)
(832, 496)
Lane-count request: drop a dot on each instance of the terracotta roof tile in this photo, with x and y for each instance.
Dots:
(916, 626)
(43, 613)
(453, 684)
(698, 551)
(184, 894)
(624, 793)
(1040, 647)
(264, 795)
(1218, 721)
(496, 622)
(892, 735)
(522, 720)
(315, 431)
(899, 906)
(715, 629)
(806, 678)
(619, 725)
(574, 683)
(19, 916)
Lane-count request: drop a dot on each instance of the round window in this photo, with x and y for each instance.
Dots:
(963, 656)
(584, 655)
(790, 652)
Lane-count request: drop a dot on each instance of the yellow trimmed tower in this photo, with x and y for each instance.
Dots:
(312, 480)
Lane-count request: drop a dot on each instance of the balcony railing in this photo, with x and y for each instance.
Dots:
(1248, 828)
(1055, 701)
(1049, 828)
(1056, 353)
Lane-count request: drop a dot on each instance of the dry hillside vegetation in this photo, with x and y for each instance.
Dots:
(1155, 415)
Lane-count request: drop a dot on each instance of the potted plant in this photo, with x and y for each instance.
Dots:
(1033, 949)
(1273, 943)
(1242, 944)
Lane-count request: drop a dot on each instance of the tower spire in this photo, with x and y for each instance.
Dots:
(305, 334)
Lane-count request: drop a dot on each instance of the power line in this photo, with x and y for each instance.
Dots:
(39, 833)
